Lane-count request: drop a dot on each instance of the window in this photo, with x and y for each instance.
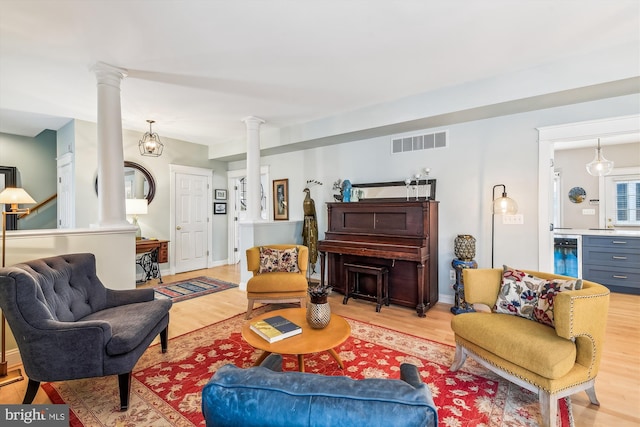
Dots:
(628, 202)
(622, 199)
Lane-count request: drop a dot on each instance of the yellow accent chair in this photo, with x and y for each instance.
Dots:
(552, 361)
(276, 286)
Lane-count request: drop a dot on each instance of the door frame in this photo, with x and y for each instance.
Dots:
(233, 240)
(548, 138)
(173, 170)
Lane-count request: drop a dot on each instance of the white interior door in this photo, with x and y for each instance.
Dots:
(191, 220)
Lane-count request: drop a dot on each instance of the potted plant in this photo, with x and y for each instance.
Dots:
(318, 308)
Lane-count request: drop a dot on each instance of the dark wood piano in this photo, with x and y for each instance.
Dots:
(399, 235)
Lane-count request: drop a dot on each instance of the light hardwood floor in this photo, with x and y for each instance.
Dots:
(617, 385)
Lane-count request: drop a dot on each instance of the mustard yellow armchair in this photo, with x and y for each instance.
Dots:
(277, 284)
(552, 361)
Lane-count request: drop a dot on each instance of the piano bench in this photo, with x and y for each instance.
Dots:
(352, 288)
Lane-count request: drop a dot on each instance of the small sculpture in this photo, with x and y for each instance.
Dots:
(310, 228)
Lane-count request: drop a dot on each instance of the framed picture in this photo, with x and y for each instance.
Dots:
(221, 194)
(280, 199)
(220, 208)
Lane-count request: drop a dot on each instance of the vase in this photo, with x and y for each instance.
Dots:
(318, 315)
(465, 247)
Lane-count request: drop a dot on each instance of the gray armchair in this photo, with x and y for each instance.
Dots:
(69, 326)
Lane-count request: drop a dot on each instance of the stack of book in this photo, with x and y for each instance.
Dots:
(276, 328)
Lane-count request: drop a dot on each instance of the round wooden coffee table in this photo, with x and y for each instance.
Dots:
(309, 341)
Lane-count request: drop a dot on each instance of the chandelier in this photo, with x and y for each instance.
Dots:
(150, 144)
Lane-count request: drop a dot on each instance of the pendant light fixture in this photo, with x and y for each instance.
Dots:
(150, 144)
(599, 166)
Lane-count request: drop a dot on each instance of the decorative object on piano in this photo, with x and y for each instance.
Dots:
(465, 247)
(460, 304)
(310, 227)
(337, 186)
(318, 308)
(502, 205)
(281, 199)
(346, 190)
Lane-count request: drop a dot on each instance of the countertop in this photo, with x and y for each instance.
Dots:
(599, 232)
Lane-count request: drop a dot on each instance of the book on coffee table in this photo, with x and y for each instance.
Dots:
(276, 328)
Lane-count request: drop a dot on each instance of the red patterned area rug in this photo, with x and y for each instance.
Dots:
(166, 387)
(191, 288)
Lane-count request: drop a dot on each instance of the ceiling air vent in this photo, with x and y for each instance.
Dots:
(425, 141)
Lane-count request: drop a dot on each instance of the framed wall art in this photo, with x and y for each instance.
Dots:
(219, 208)
(281, 199)
(220, 194)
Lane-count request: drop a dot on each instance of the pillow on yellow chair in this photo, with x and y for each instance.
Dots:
(285, 260)
(531, 297)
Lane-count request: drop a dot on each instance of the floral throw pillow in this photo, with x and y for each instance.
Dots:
(289, 261)
(278, 260)
(543, 312)
(269, 260)
(518, 293)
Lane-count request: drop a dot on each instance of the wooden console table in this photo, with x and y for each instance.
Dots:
(154, 252)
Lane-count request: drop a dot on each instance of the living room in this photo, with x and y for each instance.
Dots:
(491, 123)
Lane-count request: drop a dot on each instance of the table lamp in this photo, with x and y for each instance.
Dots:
(10, 196)
(135, 207)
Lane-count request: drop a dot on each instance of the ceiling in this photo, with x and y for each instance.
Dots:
(199, 67)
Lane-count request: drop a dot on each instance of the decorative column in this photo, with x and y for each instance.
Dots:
(111, 206)
(253, 167)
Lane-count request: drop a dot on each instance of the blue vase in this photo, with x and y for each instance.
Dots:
(346, 190)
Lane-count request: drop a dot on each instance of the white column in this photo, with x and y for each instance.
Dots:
(253, 167)
(111, 206)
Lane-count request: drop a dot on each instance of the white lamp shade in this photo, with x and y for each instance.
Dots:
(136, 206)
(14, 196)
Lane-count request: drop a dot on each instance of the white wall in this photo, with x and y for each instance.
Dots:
(481, 154)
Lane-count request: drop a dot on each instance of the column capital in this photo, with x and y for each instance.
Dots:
(253, 122)
(108, 74)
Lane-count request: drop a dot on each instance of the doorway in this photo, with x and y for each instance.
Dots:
(549, 138)
(191, 215)
(237, 207)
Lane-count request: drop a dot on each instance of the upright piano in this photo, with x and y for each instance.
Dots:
(399, 235)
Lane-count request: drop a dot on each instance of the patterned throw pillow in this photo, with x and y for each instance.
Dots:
(543, 311)
(289, 261)
(278, 260)
(518, 293)
(269, 260)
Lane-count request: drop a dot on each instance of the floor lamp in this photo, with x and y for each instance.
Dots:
(10, 196)
(502, 205)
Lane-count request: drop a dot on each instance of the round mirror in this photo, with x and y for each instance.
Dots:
(138, 182)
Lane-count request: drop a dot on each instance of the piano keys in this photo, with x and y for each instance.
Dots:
(399, 235)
